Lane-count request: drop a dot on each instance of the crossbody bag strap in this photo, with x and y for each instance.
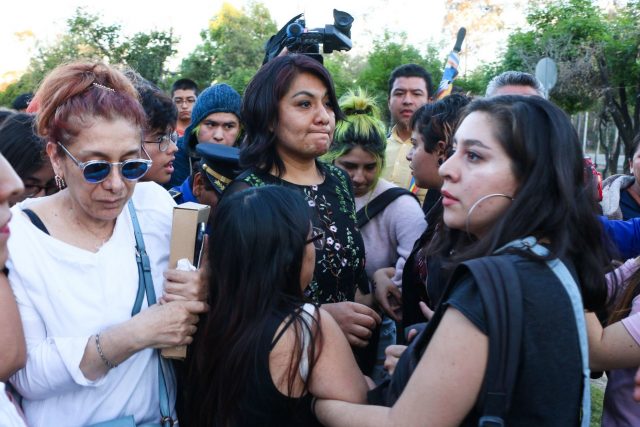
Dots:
(571, 287)
(379, 203)
(145, 286)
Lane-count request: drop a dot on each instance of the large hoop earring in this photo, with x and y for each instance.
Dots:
(60, 182)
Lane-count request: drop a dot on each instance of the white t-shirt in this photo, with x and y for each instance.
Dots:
(65, 295)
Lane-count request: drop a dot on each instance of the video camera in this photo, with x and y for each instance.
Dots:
(297, 39)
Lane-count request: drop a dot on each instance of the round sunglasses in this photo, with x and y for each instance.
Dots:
(96, 171)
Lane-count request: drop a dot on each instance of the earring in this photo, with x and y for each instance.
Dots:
(60, 182)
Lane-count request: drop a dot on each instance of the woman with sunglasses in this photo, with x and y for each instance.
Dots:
(73, 262)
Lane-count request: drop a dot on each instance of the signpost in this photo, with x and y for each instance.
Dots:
(547, 73)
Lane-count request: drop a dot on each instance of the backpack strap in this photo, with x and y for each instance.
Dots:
(379, 203)
(575, 297)
(501, 293)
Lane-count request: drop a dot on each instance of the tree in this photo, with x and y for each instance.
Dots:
(232, 47)
(597, 58)
(88, 38)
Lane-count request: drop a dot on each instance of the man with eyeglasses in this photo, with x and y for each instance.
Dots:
(215, 120)
(184, 93)
(160, 138)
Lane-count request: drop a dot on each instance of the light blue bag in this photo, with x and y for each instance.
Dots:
(145, 286)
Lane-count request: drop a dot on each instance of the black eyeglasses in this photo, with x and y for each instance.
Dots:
(165, 140)
(31, 190)
(317, 238)
(96, 171)
(179, 101)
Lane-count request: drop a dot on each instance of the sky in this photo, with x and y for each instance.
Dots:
(28, 21)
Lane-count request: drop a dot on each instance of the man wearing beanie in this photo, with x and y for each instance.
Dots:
(215, 119)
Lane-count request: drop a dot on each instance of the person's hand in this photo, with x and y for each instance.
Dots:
(426, 311)
(393, 353)
(387, 293)
(184, 286)
(168, 325)
(636, 388)
(357, 321)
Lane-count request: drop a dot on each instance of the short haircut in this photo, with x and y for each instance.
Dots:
(514, 78)
(411, 70)
(184, 84)
(160, 110)
(21, 102)
(435, 122)
(20, 144)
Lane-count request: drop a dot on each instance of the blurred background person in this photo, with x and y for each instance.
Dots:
(21, 102)
(184, 93)
(25, 151)
(215, 120)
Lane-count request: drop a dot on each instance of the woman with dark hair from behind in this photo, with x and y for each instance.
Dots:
(25, 151)
(261, 351)
(290, 111)
(498, 176)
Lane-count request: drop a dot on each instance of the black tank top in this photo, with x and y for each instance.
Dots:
(263, 404)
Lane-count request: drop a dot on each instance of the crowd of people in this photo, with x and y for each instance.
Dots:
(454, 268)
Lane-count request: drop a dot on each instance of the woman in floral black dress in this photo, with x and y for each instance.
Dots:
(289, 112)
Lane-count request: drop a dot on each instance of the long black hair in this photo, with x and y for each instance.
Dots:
(255, 260)
(553, 201)
(260, 108)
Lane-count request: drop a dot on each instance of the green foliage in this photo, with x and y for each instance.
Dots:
(475, 82)
(88, 38)
(571, 33)
(597, 397)
(344, 69)
(232, 47)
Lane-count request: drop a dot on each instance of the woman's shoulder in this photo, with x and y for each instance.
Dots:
(333, 173)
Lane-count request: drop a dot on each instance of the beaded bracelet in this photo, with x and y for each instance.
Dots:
(106, 361)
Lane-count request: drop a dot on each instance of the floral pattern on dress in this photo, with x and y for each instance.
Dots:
(340, 264)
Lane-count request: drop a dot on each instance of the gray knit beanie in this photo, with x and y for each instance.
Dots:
(219, 98)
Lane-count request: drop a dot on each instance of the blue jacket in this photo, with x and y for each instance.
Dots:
(625, 235)
(186, 195)
(181, 165)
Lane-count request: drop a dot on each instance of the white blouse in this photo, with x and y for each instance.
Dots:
(65, 295)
